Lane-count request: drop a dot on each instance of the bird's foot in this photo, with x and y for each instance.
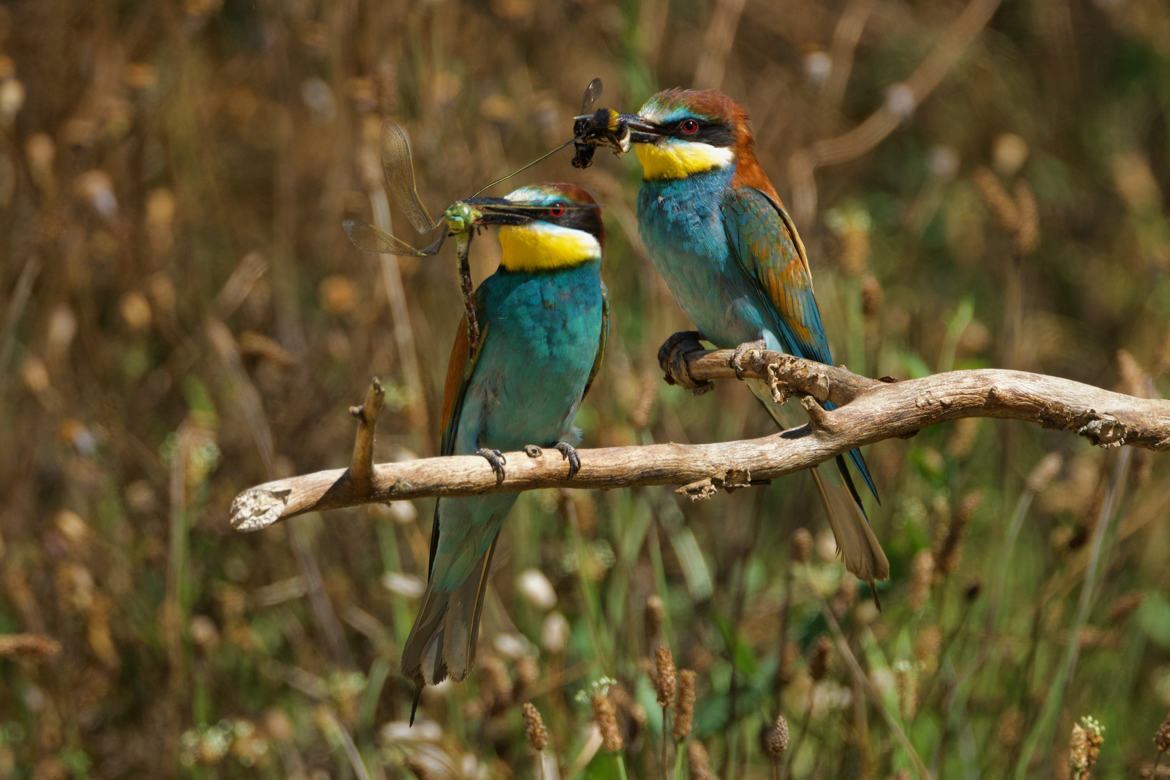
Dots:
(672, 357)
(741, 352)
(495, 459)
(532, 451)
(569, 453)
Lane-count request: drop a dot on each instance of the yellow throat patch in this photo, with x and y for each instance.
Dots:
(540, 246)
(680, 159)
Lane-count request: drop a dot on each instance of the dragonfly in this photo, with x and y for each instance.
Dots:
(461, 220)
(603, 127)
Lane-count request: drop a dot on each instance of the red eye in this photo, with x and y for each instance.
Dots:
(556, 210)
(689, 126)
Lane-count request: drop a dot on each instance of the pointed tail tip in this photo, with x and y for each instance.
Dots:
(873, 591)
(414, 705)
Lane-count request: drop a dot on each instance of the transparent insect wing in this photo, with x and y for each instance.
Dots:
(398, 170)
(592, 93)
(373, 239)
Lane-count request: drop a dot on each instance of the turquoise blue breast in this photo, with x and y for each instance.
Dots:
(682, 226)
(542, 335)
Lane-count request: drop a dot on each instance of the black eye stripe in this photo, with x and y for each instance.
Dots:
(579, 218)
(708, 132)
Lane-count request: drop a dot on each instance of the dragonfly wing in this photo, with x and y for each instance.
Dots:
(373, 239)
(398, 170)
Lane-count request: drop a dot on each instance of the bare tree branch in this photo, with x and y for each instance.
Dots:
(869, 410)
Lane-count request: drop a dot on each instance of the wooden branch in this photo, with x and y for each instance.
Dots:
(869, 410)
(361, 465)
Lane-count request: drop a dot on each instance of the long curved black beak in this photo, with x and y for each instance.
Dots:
(641, 130)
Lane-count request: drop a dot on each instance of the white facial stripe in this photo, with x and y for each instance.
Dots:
(717, 156)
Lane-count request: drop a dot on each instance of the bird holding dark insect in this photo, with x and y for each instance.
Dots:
(543, 320)
(716, 230)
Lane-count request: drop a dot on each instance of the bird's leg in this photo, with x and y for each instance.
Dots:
(569, 453)
(741, 352)
(532, 451)
(672, 357)
(495, 459)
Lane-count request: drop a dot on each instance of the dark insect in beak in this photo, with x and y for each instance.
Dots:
(604, 127)
(583, 157)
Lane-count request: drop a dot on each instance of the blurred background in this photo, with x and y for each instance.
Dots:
(978, 185)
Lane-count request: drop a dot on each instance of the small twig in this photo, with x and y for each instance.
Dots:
(361, 467)
(868, 410)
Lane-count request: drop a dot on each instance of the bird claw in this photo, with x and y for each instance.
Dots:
(569, 453)
(532, 451)
(495, 459)
(741, 352)
(672, 357)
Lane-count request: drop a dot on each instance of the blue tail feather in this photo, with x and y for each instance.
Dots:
(859, 464)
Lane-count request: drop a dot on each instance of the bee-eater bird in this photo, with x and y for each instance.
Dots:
(543, 320)
(719, 235)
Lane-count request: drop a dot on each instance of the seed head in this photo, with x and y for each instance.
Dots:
(603, 713)
(684, 708)
(527, 674)
(534, 727)
(927, 646)
(1010, 727)
(906, 686)
(654, 612)
(1028, 230)
(647, 392)
(997, 199)
(1162, 738)
(1085, 744)
(665, 681)
(777, 739)
(698, 762)
(854, 251)
(921, 576)
(872, 296)
(845, 597)
(947, 559)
